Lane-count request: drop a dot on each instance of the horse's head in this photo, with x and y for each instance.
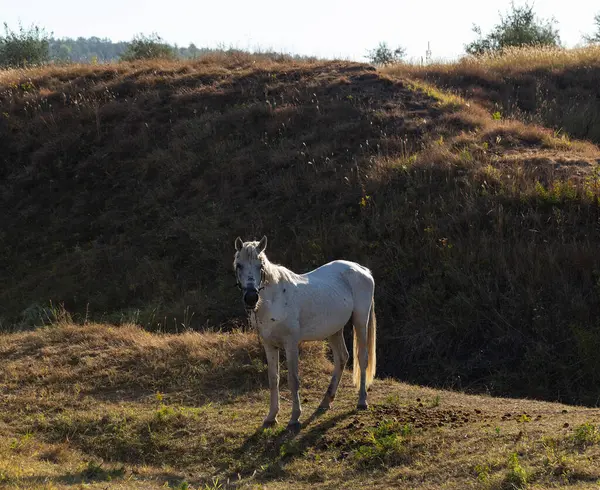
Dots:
(248, 266)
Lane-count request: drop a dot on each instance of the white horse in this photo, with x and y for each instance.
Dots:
(288, 308)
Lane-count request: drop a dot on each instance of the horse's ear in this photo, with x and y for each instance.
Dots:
(239, 244)
(262, 245)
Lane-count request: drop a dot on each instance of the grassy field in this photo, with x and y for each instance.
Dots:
(549, 86)
(122, 188)
(96, 406)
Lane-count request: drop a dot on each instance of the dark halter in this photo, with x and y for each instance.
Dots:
(262, 280)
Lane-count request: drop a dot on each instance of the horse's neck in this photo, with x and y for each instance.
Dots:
(277, 274)
(278, 279)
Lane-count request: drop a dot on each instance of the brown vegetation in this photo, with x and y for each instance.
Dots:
(550, 86)
(123, 186)
(118, 407)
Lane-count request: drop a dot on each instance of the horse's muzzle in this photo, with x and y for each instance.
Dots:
(251, 298)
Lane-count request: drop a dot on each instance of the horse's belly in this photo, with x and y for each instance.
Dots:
(322, 320)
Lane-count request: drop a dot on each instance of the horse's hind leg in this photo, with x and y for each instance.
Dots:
(340, 358)
(361, 352)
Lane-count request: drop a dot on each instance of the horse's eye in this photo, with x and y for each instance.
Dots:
(238, 266)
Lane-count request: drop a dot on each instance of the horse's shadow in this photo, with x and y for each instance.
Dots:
(266, 452)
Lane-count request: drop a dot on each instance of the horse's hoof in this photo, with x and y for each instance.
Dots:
(293, 427)
(362, 406)
(323, 408)
(267, 424)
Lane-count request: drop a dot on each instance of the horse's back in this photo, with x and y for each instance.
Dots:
(355, 278)
(342, 268)
(330, 295)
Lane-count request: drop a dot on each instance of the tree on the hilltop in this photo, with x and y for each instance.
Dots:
(519, 27)
(384, 55)
(192, 50)
(24, 47)
(594, 38)
(148, 47)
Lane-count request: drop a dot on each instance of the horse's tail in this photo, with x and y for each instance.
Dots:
(371, 340)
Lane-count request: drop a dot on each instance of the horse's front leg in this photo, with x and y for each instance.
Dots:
(273, 364)
(291, 352)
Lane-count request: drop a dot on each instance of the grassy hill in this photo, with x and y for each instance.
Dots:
(550, 86)
(118, 407)
(122, 188)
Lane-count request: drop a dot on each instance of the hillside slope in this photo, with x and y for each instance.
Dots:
(118, 407)
(122, 188)
(123, 185)
(551, 86)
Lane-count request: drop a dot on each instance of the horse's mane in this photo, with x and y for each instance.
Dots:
(275, 273)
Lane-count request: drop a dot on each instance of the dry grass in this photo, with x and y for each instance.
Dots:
(511, 62)
(122, 187)
(134, 363)
(224, 59)
(546, 86)
(99, 406)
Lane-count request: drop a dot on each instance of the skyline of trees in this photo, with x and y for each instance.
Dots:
(520, 26)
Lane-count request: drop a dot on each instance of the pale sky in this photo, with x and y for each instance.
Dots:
(325, 28)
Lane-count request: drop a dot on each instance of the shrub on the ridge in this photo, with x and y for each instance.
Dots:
(520, 27)
(148, 47)
(595, 37)
(27, 46)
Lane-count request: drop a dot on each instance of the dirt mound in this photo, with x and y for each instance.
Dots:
(128, 363)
